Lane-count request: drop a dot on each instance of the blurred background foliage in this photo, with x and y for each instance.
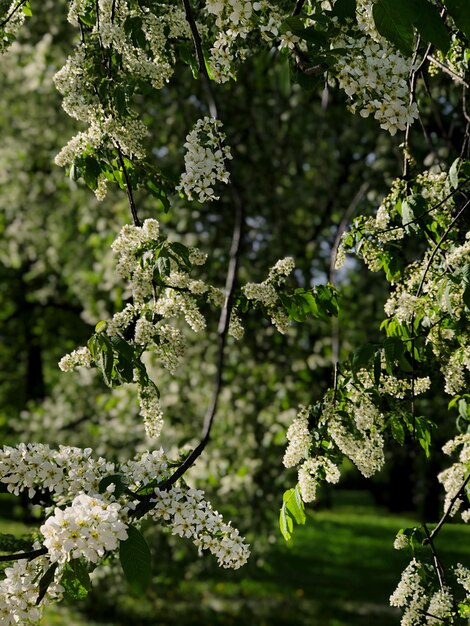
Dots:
(302, 167)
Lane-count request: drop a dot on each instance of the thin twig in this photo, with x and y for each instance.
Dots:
(200, 57)
(33, 554)
(438, 245)
(130, 194)
(342, 227)
(447, 70)
(437, 563)
(224, 321)
(412, 83)
(298, 7)
(443, 519)
(335, 338)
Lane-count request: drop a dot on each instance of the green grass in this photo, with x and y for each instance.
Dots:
(339, 570)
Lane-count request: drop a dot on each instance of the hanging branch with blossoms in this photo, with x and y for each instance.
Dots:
(374, 52)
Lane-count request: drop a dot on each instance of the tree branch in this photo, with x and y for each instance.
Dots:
(298, 7)
(447, 70)
(12, 13)
(33, 554)
(443, 519)
(437, 563)
(130, 194)
(200, 57)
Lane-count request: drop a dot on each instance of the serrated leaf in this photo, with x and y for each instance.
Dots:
(136, 560)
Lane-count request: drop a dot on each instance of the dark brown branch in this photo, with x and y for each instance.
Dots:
(12, 13)
(447, 70)
(200, 57)
(437, 563)
(130, 194)
(298, 7)
(33, 554)
(412, 82)
(443, 519)
(224, 321)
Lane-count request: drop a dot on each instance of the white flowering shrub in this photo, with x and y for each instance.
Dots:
(375, 51)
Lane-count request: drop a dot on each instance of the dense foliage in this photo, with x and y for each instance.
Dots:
(242, 283)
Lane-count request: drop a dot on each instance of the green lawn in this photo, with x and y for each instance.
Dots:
(338, 571)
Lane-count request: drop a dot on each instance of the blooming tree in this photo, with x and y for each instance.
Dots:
(377, 53)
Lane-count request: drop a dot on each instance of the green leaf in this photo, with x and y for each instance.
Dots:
(431, 26)
(361, 357)
(45, 581)
(398, 432)
(393, 349)
(344, 9)
(75, 580)
(136, 560)
(454, 173)
(101, 326)
(286, 523)
(114, 479)
(460, 12)
(294, 504)
(394, 21)
(27, 9)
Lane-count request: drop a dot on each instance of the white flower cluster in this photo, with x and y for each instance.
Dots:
(456, 366)
(424, 606)
(361, 441)
(19, 592)
(398, 388)
(454, 476)
(266, 293)
(189, 515)
(66, 472)
(151, 411)
(91, 523)
(204, 160)
(312, 469)
(462, 574)
(374, 75)
(173, 295)
(87, 528)
(411, 594)
(300, 441)
(151, 60)
(235, 20)
(441, 606)
(401, 542)
(77, 358)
